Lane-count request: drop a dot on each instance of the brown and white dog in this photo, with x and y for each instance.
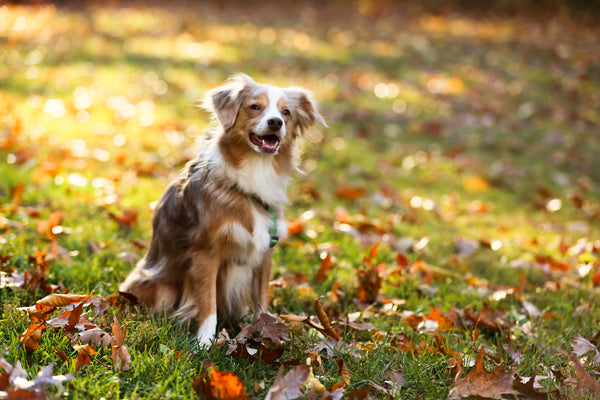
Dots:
(211, 246)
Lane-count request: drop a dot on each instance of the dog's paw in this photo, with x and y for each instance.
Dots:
(207, 331)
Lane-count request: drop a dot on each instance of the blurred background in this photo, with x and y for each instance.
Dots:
(425, 100)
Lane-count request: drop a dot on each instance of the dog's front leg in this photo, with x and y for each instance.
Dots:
(260, 285)
(203, 279)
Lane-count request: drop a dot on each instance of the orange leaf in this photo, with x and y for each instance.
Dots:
(120, 354)
(48, 226)
(30, 339)
(596, 277)
(349, 193)
(83, 360)
(17, 194)
(86, 349)
(59, 300)
(216, 385)
(342, 215)
(326, 265)
(296, 227)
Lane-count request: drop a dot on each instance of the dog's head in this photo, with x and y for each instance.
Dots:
(263, 117)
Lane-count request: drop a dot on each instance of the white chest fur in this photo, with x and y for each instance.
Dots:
(252, 244)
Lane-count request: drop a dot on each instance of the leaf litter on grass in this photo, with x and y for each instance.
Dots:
(450, 113)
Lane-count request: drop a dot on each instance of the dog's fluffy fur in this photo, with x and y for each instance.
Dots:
(210, 245)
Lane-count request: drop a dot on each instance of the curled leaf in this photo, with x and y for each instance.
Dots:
(322, 315)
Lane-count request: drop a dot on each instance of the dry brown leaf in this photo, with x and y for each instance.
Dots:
(322, 315)
(585, 382)
(120, 354)
(288, 386)
(94, 335)
(483, 384)
(343, 371)
(59, 300)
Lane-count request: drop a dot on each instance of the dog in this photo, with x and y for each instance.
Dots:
(214, 227)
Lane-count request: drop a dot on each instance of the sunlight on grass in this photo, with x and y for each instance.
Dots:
(458, 175)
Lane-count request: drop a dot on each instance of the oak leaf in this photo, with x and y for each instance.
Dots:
(288, 386)
(585, 382)
(483, 384)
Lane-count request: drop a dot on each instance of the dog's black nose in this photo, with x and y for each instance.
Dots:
(275, 124)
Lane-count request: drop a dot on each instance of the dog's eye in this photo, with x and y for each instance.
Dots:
(286, 112)
(255, 107)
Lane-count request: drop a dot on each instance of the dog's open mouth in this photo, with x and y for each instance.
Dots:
(266, 143)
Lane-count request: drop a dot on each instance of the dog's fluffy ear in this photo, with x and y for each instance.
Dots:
(225, 101)
(305, 109)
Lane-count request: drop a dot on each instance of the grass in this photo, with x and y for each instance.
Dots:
(458, 127)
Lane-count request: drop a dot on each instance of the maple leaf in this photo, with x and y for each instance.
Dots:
(265, 328)
(483, 384)
(288, 386)
(219, 385)
(585, 382)
(18, 386)
(582, 346)
(120, 354)
(526, 389)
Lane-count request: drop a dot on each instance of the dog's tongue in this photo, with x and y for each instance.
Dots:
(267, 143)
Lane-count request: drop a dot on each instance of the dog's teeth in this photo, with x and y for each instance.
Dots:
(263, 142)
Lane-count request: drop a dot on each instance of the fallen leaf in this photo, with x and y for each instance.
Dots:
(483, 384)
(582, 346)
(17, 384)
(59, 300)
(126, 220)
(585, 382)
(475, 183)
(312, 384)
(343, 371)
(95, 335)
(48, 227)
(265, 328)
(86, 349)
(288, 386)
(326, 265)
(120, 354)
(31, 337)
(324, 319)
(526, 389)
(217, 385)
(349, 193)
